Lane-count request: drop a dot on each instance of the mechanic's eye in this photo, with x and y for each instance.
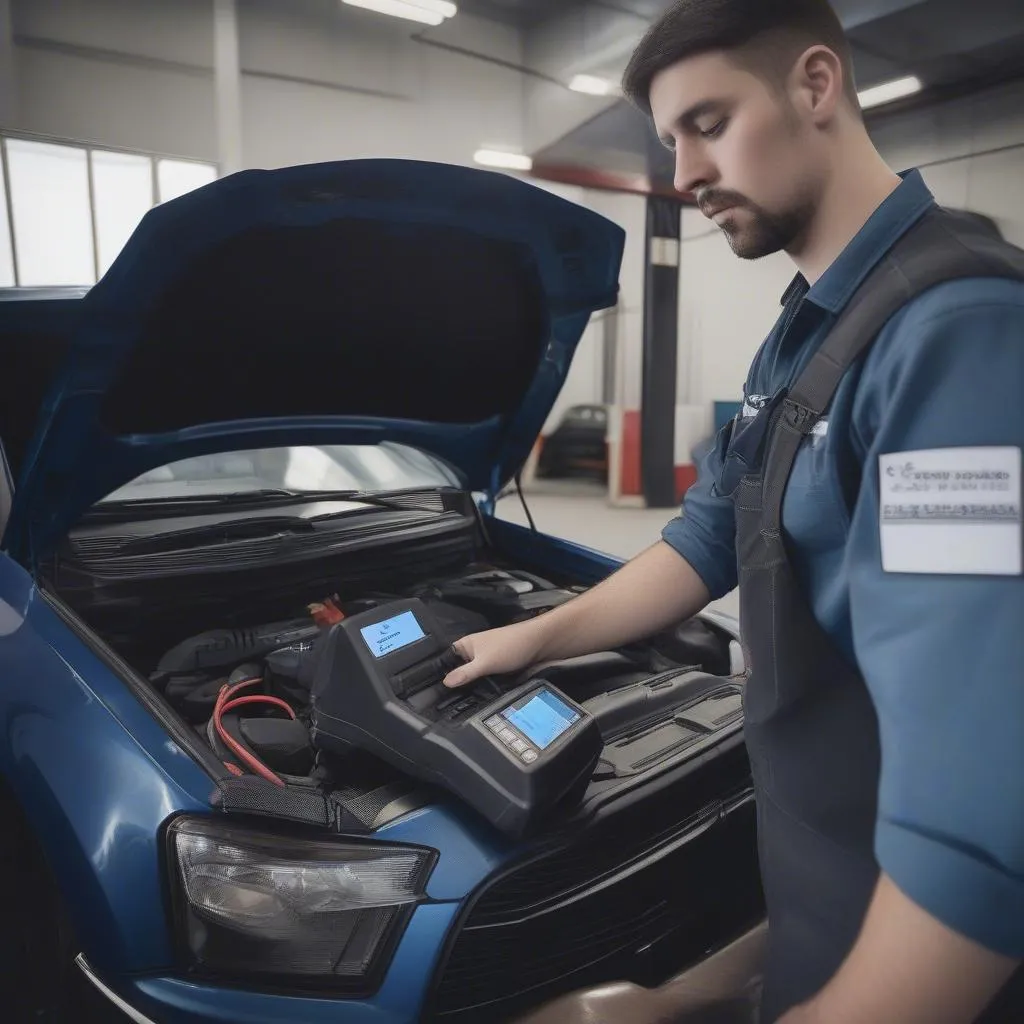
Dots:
(715, 130)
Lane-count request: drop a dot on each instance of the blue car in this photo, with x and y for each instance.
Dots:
(292, 401)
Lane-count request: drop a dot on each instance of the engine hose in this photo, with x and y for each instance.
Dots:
(224, 699)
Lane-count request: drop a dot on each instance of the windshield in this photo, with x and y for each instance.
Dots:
(381, 467)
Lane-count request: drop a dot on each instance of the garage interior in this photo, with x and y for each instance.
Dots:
(112, 108)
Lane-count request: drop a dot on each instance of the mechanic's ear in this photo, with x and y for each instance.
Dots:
(817, 84)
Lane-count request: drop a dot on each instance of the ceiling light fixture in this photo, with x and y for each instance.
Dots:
(889, 91)
(591, 85)
(426, 12)
(503, 159)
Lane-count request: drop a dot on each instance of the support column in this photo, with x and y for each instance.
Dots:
(610, 356)
(661, 334)
(8, 78)
(228, 83)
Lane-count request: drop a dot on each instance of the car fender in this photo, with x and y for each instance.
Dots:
(96, 777)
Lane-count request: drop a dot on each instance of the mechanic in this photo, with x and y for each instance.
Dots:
(884, 631)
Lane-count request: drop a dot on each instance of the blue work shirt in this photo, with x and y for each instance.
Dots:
(942, 652)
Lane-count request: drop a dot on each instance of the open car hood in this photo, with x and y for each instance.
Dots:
(340, 303)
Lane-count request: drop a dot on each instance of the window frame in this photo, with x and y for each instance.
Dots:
(154, 158)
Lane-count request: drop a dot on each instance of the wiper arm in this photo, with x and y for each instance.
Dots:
(371, 498)
(186, 504)
(233, 530)
(247, 527)
(196, 504)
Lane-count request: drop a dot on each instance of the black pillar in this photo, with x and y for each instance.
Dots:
(661, 331)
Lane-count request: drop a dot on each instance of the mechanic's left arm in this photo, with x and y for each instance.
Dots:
(909, 967)
(938, 627)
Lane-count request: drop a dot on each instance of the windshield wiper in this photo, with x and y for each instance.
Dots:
(233, 530)
(380, 500)
(270, 497)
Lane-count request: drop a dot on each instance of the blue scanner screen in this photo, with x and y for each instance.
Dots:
(542, 719)
(392, 634)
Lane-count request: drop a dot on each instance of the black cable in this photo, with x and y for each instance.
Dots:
(480, 522)
(522, 500)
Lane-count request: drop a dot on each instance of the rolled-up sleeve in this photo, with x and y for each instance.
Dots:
(704, 532)
(941, 645)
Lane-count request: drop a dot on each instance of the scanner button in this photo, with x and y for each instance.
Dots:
(519, 746)
(494, 723)
(506, 736)
(529, 756)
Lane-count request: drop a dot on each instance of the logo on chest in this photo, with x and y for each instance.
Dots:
(753, 404)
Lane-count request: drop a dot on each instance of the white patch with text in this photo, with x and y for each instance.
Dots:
(951, 511)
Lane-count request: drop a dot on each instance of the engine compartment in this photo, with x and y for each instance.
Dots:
(247, 691)
(231, 644)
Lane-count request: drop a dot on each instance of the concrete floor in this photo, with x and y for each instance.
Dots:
(580, 512)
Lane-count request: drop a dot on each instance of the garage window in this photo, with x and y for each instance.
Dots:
(6, 255)
(68, 209)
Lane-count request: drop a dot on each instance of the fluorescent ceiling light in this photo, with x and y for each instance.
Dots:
(591, 85)
(501, 158)
(426, 12)
(889, 91)
(443, 7)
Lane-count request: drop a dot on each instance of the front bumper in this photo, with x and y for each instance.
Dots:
(116, 1002)
(724, 989)
(177, 1000)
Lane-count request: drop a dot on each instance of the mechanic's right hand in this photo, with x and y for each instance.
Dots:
(493, 652)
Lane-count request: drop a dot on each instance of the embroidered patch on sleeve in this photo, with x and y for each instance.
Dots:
(951, 511)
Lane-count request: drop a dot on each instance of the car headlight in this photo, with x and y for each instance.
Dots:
(309, 913)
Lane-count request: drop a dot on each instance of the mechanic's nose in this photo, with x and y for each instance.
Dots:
(693, 168)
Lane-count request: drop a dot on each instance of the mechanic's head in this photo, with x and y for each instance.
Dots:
(757, 99)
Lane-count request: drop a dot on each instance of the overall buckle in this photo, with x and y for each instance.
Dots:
(799, 417)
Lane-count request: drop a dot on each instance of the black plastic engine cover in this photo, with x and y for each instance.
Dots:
(225, 648)
(498, 597)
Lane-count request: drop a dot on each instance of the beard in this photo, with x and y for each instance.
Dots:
(753, 232)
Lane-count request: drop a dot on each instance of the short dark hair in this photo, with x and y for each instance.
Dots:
(757, 31)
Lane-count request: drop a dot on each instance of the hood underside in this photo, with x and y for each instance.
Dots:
(355, 302)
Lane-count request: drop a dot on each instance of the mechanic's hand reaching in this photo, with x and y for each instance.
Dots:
(494, 652)
(649, 593)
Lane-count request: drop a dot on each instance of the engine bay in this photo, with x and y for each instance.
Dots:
(248, 691)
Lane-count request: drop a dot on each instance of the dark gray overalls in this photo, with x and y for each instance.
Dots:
(811, 728)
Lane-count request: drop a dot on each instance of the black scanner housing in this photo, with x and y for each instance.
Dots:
(398, 708)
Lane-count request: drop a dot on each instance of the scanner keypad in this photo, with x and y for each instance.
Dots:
(511, 739)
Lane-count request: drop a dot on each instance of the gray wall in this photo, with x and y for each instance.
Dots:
(319, 81)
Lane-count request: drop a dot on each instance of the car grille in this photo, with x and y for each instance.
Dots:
(638, 897)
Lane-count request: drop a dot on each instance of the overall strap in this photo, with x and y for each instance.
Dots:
(941, 247)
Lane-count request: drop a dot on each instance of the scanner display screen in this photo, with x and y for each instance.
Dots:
(392, 634)
(541, 718)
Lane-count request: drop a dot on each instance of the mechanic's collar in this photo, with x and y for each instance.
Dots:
(899, 212)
